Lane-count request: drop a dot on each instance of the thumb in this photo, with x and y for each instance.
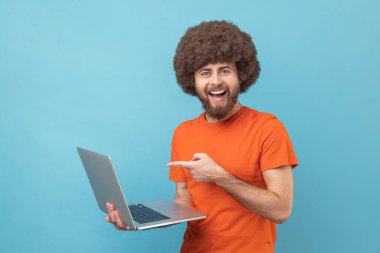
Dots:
(198, 156)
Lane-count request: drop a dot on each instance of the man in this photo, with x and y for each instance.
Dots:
(232, 162)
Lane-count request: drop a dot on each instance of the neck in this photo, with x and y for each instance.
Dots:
(234, 110)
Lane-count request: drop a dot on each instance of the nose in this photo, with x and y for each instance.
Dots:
(216, 80)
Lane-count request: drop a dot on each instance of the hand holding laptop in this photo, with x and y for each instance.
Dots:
(139, 216)
(114, 218)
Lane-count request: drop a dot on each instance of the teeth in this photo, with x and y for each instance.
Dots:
(217, 92)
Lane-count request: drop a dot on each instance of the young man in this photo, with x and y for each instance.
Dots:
(232, 162)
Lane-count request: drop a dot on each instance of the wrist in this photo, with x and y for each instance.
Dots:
(222, 176)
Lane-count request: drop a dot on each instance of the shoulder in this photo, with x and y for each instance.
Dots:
(263, 121)
(185, 127)
(259, 118)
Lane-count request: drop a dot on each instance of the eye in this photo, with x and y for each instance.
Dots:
(204, 73)
(225, 71)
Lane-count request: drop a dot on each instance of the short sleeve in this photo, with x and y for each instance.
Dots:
(176, 174)
(276, 146)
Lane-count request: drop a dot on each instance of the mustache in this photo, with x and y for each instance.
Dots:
(218, 88)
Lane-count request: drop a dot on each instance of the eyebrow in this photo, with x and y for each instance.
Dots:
(209, 69)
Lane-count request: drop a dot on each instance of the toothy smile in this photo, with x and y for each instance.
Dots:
(217, 93)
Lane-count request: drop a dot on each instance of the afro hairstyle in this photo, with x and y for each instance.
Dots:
(213, 42)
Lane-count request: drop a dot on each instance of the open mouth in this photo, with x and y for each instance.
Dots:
(217, 93)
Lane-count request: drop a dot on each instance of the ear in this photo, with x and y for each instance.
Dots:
(239, 78)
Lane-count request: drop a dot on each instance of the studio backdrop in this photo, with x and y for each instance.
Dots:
(99, 74)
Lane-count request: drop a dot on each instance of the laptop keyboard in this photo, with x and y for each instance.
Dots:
(143, 214)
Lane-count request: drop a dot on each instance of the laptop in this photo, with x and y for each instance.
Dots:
(138, 216)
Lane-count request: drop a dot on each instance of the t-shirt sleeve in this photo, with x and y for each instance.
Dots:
(176, 174)
(276, 146)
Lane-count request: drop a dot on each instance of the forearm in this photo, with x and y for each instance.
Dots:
(182, 195)
(182, 201)
(263, 202)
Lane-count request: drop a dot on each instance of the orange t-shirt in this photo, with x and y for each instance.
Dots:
(245, 145)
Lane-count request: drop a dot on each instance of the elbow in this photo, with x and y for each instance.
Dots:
(280, 220)
(282, 216)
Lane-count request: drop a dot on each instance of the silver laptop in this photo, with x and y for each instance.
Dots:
(139, 216)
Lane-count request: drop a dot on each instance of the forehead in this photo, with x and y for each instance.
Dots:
(219, 65)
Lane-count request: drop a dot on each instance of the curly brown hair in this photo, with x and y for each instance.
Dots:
(212, 42)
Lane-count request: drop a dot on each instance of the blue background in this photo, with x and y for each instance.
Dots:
(99, 74)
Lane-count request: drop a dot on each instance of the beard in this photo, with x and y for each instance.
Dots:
(218, 112)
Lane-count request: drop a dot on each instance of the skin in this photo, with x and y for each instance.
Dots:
(114, 218)
(221, 77)
(274, 203)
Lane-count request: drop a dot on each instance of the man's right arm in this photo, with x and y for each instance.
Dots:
(182, 195)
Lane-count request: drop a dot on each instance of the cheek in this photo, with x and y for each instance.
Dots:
(200, 92)
(200, 86)
(235, 84)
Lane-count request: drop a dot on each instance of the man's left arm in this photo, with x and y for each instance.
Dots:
(274, 203)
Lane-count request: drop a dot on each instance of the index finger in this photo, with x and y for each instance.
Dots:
(183, 164)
